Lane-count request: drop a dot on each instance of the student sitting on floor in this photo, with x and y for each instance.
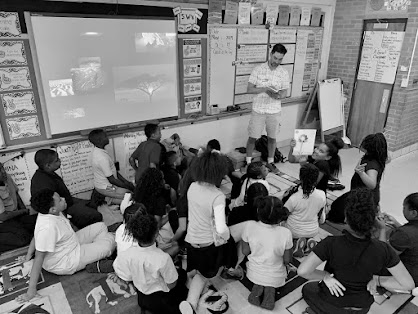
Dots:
(107, 181)
(171, 176)
(16, 228)
(122, 238)
(325, 157)
(304, 207)
(404, 237)
(347, 283)
(256, 172)
(160, 287)
(269, 249)
(45, 177)
(58, 249)
(155, 195)
(149, 154)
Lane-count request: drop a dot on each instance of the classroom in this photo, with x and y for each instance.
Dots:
(98, 95)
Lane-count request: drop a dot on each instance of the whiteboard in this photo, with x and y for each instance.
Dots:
(97, 72)
(222, 53)
(330, 102)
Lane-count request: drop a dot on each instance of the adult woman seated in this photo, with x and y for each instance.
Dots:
(352, 262)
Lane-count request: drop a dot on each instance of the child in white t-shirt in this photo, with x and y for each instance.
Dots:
(304, 207)
(256, 172)
(58, 249)
(160, 287)
(122, 237)
(269, 250)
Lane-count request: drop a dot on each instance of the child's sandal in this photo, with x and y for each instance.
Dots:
(299, 247)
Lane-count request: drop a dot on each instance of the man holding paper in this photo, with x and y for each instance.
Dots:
(269, 81)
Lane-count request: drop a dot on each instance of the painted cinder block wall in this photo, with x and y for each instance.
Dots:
(402, 124)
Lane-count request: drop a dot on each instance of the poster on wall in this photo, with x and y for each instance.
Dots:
(192, 104)
(16, 166)
(12, 53)
(23, 127)
(380, 56)
(192, 86)
(9, 25)
(192, 48)
(18, 103)
(76, 168)
(15, 79)
(192, 67)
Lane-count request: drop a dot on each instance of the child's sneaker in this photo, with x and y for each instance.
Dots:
(269, 298)
(255, 296)
(186, 308)
(233, 273)
(299, 247)
(310, 244)
(103, 266)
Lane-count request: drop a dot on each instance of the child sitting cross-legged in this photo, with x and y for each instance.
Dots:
(160, 287)
(58, 249)
(304, 207)
(269, 248)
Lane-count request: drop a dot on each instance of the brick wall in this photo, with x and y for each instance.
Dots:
(402, 124)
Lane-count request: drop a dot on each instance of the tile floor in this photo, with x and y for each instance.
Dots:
(398, 181)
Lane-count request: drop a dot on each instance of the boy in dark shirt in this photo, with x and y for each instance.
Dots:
(149, 154)
(46, 178)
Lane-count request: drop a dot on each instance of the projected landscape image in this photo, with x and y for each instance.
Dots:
(89, 76)
(61, 88)
(153, 84)
(149, 42)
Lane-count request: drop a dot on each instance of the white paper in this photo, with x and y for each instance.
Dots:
(131, 141)
(305, 142)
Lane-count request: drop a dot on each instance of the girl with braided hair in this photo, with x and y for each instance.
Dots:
(304, 207)
(367, 173)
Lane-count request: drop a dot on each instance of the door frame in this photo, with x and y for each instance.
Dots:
(353, 90)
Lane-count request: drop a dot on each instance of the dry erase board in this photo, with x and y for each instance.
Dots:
(330, 104)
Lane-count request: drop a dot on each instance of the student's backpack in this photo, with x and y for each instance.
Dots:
(261, 145)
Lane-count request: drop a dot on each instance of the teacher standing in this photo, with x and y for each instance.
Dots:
(269, 81)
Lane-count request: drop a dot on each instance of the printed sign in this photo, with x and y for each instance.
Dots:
(192, 67)
(192, 48)
(12, 53)
(192, 104)
(14, 79)
(131, 142)
(23, 127)
(187, 16)
(18, 103)
(9, 24)
(192, 86)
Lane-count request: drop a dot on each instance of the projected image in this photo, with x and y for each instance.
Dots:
(152, 42)
(145, 84)
(89, 76)
(61, 88)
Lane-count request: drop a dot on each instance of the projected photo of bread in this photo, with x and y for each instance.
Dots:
(89, 76)
(145, 84)
(61, 88)
(146, 42)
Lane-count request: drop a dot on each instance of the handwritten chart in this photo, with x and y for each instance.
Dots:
(252, 53)
(380, 56)
(252, 35)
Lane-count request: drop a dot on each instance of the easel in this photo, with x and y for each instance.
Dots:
(310, 102)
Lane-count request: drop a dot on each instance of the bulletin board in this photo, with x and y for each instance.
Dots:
(234, 51)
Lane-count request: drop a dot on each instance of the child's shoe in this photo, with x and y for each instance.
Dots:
(103, 266)
(269, 298)
(186, 308)
(310, 244)
(233, 273)
(255, 296)
(299, 247)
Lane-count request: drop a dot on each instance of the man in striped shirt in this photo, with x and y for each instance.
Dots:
(269, 81)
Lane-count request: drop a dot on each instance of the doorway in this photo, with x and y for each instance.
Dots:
(380, 50)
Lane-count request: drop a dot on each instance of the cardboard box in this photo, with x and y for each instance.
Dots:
(238, 159)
